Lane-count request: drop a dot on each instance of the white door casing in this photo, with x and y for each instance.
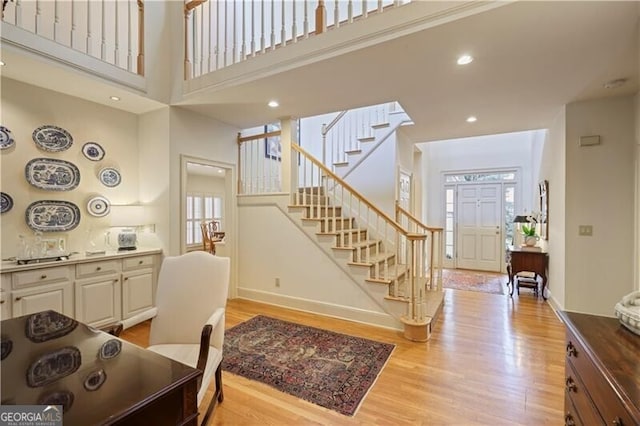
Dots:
(479, 227)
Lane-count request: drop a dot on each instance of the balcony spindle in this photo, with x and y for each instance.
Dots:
(18, 13)
(321, 18)
(38, 17)
(262, 39)
(129, 39)
(273, 24)
(73, 23)
(235, 34)
(379, 5)
(202, 39)
(243, 48)
(210, 55)
(226, 31)
(253, 29)
(336, 15)
(350, 11)
(56, 20)
(140, 37)
(116, 52)
(365, 9)
(306, 19)
(283, 31)
(294, 27)
(187, 62)
(103, 44)
(89, 40)
(217, 49)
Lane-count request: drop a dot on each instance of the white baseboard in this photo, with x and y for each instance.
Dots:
(343, 312)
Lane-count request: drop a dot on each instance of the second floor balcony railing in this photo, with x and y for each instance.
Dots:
(222, 33)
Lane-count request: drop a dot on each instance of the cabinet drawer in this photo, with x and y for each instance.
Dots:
(604, 397)
(92, 269)
(577, 393)
(41, 276)
(571, 417)
(131, 263)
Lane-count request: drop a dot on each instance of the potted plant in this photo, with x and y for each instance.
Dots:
(529, 232)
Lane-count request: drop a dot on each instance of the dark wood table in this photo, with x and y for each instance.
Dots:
(521, 260)
(51, 359)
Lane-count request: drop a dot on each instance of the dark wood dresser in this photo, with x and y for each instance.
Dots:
(602, 372)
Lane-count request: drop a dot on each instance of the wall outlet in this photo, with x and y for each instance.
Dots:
(585, 230)
(277, 282)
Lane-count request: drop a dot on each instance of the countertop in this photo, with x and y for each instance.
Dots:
(11, 266)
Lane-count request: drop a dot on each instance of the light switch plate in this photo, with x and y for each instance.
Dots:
(585, 230)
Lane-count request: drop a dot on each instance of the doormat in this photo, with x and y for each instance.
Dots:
(487, 282)
(329, 369)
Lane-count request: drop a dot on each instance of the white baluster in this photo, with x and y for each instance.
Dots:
(253, 29)
(283, 32)
(379, 5)
(273, 25)
(202, 38)
(210, 24)
(350, 11)
(103, 45)
(262, 40)
(235, 35)
(18, 13)
(243, 48)
(56, 20)
(306, 19)
(365, 9)
(294, 27)
(336, 15)
(217, 49)
(89, 41)
(38, 16)
(129, 39)
(226, 32)
(116, 52)
(73, 23)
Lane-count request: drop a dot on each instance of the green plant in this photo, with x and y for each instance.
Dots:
(529, 230)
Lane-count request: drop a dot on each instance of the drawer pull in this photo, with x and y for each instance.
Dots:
(43, 277)
(126, 278)
(568, 420)
(1, 302)
(140, 262)
(98, 268)
(18, 299)
(571, 350)
(617, 421)
(570, 385)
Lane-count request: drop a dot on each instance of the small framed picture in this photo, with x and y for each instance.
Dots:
(272, 146)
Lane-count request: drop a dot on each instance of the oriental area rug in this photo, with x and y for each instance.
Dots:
(329, 369)
(487, 282)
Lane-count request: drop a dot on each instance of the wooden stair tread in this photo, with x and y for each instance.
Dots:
(361, 244)
(377, 258)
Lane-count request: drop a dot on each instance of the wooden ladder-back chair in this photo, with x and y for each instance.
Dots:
(211, 235)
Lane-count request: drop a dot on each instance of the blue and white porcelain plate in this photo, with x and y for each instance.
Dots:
(6, 202)
(98, 206)
(93, 151)
(52, 174)
(52, 138)
(110, 177)
(6, 138)
(52, 216)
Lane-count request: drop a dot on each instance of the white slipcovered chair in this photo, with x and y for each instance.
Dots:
(189, 324)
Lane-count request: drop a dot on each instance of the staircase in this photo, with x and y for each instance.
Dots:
(393, 266)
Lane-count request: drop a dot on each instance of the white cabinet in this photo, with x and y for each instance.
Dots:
(137, 285)
(98, 300)
(58, 296)
(5, 306)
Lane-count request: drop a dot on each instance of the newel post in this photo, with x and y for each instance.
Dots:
(321, 18)
(288, 136)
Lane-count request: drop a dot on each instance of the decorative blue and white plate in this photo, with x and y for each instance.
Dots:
(52, 138)
(6, 138)
(52, 216)
(98, 206)
(6, 202)
(52, 174)
(110, 177)
(93, 151)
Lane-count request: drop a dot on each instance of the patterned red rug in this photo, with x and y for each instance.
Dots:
(487, 282)
(328, 369)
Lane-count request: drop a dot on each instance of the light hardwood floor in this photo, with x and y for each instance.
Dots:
(492, 360)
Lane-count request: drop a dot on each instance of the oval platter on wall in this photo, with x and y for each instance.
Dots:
(52, 174)
(6, 202)
(52, 216)
(6, 138)
(52, 138)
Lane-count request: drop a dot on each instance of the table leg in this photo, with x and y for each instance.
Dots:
(544, 285)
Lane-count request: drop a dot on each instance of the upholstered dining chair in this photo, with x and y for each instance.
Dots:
(189, 325)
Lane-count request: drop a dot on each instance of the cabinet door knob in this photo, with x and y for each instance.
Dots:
(115, 281)
(571, 350)
(570, 385)
(42, 277)
(568, 420)
(18, 298)
(140, 262)
(1, 302)
(126, 278)
(617, 421)
(98, 268)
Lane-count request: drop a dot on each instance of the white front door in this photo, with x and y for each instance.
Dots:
(479, 228)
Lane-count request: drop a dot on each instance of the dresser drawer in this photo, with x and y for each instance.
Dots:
(41, 276)
(571, 417)
(139, 262)
(579, 396)
(92, 269)
(602, 394)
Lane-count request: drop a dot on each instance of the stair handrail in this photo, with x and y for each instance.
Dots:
(401, 211)
(325, 130)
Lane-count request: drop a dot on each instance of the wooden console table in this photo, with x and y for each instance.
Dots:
(521, 260)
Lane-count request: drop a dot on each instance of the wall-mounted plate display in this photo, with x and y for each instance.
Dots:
(110, 177)
(52, 174)
(6, 202)
(6, 138)
(93, 151)
(52, 138)
(52, 216)
(98, 206)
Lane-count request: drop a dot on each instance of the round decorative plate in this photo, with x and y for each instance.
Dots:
(109, 177)
(6, 202)
(98, 206)
(6, 138)
(52, 138)
(93, 151)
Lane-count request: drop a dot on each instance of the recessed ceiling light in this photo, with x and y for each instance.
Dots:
(2, 64)
(472, 119)
(612, 84)
(220, 171)
(273, 104)
(465, 59)
(114, 98)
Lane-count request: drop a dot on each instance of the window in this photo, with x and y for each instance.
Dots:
(509, 212)
(448, 230)
(202, 207)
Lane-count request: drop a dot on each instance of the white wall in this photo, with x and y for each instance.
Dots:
(26, 107)
(202, 183)
(637, 192)
(311, 133)
(553, 169)
(600, 183)
(504, 151)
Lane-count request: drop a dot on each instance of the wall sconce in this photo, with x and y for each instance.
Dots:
(128, 217)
